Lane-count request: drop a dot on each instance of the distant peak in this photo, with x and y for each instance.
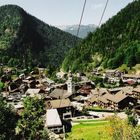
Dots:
(84, 29)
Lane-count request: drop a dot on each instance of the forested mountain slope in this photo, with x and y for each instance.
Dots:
(25, 41)
(114, 43)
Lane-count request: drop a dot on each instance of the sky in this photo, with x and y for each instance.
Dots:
(68, 12)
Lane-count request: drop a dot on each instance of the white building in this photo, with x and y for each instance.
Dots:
(53, 121)
(70, 85)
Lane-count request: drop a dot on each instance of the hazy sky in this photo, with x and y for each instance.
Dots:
(67, 12)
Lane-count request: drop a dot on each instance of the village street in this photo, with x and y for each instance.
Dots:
(103, 115)
(99, 116)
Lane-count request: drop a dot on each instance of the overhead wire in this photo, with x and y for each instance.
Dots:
(106, 4)
(81, 17)
(82, 14)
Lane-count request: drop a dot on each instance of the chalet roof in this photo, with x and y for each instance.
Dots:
(59, 85)
(110, 71)
(14, 90)
(21, 75)
(59, 94)
(41, 69)
(59, 103)
(130, 81)
(131, 76)
(27, 81)
(99, 91)
(52, 118)
(85, 89)
(49, 81)
(84, 82)
(29, 78)
(115, 98)
(33, 93)
(5, 93)
(127, 89)
(137, 89)
(79, 98)
(119, 97)
(115, 89)
(32, 90)
(7, 69)
(137, 109)
(19, 106)
(92, 99)
(102, 99)
(17, 79)
(94, 92)
(60, 74)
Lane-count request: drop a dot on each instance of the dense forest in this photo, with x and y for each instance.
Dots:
(115, 43)
(26, 41)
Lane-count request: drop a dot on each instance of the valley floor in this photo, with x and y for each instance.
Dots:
(92, 130)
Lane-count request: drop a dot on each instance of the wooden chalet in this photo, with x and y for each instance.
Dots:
(119, 101)
(63, 106)
(131, 77)
(113, 73)
(34, 92)
(79, 98)
(91, 101)
(60, 94)
(103, 102)
(99, 92)
(136, 93)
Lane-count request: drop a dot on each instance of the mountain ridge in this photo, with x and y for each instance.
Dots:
(115, 43)
(84, 29)
(26, 41)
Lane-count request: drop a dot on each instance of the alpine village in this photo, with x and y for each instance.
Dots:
(56, 86)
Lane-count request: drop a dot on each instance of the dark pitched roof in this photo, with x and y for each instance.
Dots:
(131, 76)
(119, 97)
(59, 94)
(92, 99)
(137, 89)
(59, 103)
(127, 89)
(102, 99)
(115, 98)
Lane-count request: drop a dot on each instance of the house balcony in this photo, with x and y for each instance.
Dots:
(67, 116)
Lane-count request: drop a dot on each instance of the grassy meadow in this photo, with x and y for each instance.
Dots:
(92, 130)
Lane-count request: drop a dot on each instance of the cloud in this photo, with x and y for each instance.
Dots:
(96, 6)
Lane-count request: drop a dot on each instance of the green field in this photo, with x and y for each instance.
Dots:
(87, 121)
(90, 131)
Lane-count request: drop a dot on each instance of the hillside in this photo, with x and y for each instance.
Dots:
(84, 29)
(25, 41)
(114, 43)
